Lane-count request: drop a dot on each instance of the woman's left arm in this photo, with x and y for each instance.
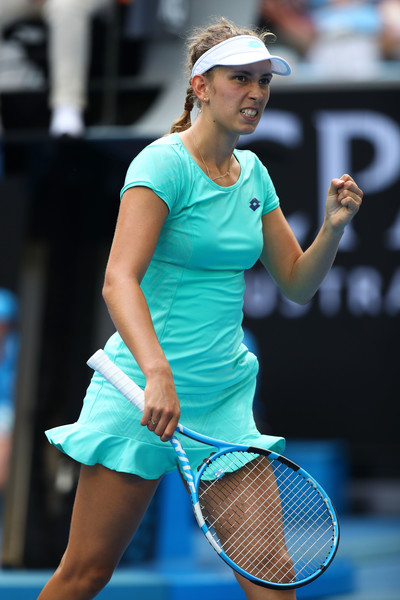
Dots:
(299, 274)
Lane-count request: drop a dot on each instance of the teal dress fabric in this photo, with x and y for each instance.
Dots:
(194, 288)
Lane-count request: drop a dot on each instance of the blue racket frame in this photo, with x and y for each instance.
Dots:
(193, 479)
(102, 364)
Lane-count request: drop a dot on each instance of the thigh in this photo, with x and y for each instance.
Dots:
(108, 509)
(246, 514)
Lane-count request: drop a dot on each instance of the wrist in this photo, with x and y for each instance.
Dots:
(331, 230)
(159, 368)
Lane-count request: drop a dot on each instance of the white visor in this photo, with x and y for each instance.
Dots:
(239, 50)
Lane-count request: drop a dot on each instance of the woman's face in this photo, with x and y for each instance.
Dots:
(238, 96)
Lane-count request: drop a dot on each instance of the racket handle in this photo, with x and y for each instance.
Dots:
(102, 364)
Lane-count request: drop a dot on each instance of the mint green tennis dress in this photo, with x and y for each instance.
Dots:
(194, 288)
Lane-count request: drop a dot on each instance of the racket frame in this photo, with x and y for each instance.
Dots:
(101, 363)
(288, 463)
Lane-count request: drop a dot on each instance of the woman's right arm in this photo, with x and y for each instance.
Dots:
(140, 220)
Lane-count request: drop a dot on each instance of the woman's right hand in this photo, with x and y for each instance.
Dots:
(162, 409)
(141, 218)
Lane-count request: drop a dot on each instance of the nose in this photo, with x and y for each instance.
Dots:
(256, 92)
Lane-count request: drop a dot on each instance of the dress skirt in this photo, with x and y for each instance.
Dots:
(108, 431)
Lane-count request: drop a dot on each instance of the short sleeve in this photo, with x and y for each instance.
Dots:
(157, 167)
(271, 199)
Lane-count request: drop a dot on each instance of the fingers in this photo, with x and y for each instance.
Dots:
(152, 423)
(158, 423)
(162, 420)
(350, 184)
(169, 430)
(349, 194)
(336, 184)
(167, 424)
(164, 427)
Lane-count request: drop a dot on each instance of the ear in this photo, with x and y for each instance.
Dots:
(200, 87)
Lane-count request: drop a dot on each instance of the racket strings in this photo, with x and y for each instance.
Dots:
(248, 562)
(298, 530)
(252, 555)
(299, 521)
(234, 520)
(271, 521)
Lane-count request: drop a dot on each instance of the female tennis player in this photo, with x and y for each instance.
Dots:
(195, 213)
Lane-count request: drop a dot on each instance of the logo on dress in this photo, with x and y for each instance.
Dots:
(254, 204)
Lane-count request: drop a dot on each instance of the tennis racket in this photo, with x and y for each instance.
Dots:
(265, 516)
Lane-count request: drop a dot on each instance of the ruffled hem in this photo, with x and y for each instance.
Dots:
(149, 461)
(90, 447)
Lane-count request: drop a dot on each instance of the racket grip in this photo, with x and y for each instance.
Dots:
(102, 364)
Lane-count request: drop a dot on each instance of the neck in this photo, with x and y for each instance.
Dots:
(215, 142)
(214, 153)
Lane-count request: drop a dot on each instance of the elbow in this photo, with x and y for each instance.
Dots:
(109, 286)
(117, 284)
(300, 301)
(106, 290)
(303, 301)
(298, 297)
(299, 292)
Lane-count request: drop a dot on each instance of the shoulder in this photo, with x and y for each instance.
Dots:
(159, 167)
(161, 158)
(169, 147)
(249, 159)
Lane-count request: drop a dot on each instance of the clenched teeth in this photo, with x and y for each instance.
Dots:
(249, 112)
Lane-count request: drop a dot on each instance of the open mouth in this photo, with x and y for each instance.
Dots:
(249, 112)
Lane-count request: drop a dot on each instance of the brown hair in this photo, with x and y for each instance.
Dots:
(201, 40)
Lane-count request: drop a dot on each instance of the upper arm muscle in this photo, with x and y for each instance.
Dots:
(281, 249)
(141, 217)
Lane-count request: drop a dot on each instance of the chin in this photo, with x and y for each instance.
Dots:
(248, 129)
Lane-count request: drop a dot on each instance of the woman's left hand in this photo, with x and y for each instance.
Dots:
(343, 202)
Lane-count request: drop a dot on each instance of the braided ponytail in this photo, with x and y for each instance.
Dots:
(184, 122)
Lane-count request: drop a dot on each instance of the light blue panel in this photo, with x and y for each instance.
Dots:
(176, 520)
(327, 461)
(22, 585)
(125, 584)
(129, 584)
(338, 579)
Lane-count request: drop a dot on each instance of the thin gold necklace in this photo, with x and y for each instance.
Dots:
(205, 164)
